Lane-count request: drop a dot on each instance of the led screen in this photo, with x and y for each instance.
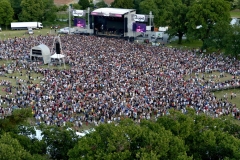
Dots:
(80, 22)
(139, 27)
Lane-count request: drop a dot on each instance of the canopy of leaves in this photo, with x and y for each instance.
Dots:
(176, 136)
(204, 15)
(11, 149)
(6, 12)
(101, 4)
(128, 4)
(84, 3)
(32, 10)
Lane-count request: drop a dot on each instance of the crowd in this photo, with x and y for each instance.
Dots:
(111, 79)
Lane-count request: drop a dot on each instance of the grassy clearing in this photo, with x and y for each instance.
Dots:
(186, 44)
(235, 14)
(215, 76)
(5, 34)
(220, 94)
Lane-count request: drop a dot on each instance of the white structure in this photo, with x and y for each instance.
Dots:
(26, 25)
(41, 51)
(118, 12)
(55, 55)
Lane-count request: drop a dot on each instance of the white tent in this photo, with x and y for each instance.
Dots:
(41, 51)
(57, 56)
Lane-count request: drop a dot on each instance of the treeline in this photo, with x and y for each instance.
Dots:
(176, 136)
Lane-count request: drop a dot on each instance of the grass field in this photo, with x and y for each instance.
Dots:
(235, 13)
(186, 44)
(21, 33)
(220, 94)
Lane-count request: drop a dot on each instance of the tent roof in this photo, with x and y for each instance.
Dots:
(57, 56)
(112, 11)
(43, 47)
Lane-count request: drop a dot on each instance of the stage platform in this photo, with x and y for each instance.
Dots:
(110, 35)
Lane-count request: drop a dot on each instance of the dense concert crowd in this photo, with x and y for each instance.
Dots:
(111, 79)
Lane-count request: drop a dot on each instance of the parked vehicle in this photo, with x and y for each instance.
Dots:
(30, 31)
(26, 25)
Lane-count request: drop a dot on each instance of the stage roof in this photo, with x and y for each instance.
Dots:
(109, 11)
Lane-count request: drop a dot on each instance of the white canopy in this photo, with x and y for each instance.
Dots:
(57, 56)
(45, 53)
(107, 11)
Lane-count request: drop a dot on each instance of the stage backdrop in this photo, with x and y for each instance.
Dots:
(139, 27)
(79, 22)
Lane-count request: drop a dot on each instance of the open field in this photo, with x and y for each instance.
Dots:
(215, 78)
(235, 14)
(21, 33)
(185, 44)
(236, 100)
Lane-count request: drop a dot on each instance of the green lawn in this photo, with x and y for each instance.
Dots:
(235, 14)
(208, 76)
(186, 44)
(21, 33)
(219, 94)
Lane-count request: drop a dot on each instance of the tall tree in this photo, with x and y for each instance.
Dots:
(84, 3)
(161, 10)
(6, 12)
(203, 15)
(50, 11)
(59, 141)
(177, 20)
(128, 4)
(232, 41)
(129, 141)
(16, 5)
(32, 10)
(101, 4)
(11, 149)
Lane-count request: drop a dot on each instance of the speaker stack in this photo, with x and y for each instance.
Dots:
(58, 48)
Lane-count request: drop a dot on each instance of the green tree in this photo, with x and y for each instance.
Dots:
(84, 3)
(203, 15)
(161, 10)
(16, 5)
(232, 41)
(32, 10)
(137, 5)
(177, 20)
(129, 141)
(101, 4)
(59, 141)
(19, 116)
(50, 11)
(123, 4)
(6, 12)
(62, 8)
(76, 6)
(11, 149)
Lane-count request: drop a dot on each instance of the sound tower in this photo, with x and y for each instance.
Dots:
(126, 24)
(91, 21)
(58, 48)
(152, 28)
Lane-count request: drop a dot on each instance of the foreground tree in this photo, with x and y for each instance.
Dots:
(59, 141)
(129, 141)
(203, 17)
(6, 12)
(11, 149)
